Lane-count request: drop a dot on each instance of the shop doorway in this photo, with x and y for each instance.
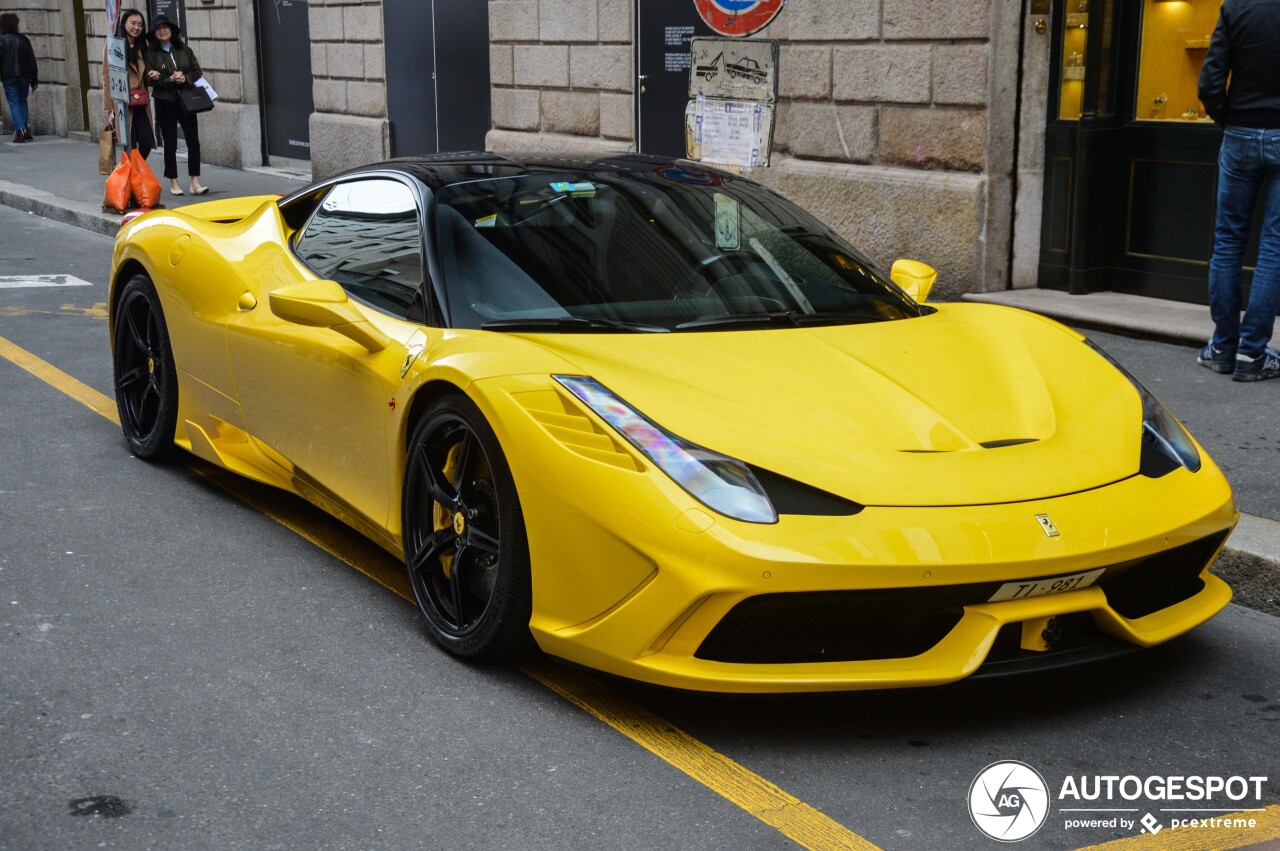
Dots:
(284, 48)
(1130, 158)
(437, 75)
(664, 29)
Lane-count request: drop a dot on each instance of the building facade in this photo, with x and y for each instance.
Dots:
(1009, 143)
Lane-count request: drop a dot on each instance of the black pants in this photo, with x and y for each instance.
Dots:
(140, 133)
(169, 115)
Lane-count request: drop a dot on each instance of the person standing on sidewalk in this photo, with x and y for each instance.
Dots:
(131, 27)
(1239, 86)
(19, 72)
(171, 65)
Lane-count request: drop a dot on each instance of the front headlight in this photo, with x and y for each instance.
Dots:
(1166, 445)
(721, 483)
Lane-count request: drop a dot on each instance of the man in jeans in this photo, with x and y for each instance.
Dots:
(1246, 47)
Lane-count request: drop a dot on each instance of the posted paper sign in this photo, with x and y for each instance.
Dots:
(728, 132)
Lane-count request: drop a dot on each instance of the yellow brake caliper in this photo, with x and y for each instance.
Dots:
(441, 516)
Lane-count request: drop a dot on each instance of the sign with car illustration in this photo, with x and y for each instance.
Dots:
(734, 69)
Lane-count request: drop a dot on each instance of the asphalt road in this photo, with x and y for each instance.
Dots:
(200, 675)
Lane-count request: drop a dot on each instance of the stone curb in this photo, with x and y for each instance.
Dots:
(81, 214)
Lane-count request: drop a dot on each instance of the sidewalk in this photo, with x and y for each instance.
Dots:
(58, 179)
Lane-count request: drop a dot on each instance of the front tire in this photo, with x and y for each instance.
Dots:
(146, 381)
(464, 539)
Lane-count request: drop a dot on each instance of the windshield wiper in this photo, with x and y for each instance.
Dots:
(570, 325)
(777, 318)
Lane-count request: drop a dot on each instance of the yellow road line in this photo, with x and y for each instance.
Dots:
(1204, 838)
(785, 813)
(50, 374)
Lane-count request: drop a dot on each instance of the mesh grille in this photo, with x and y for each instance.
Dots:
(791, 497)
(1159, 581)
(850, 626)
(830, 626)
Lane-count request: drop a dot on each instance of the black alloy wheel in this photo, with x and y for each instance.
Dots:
(464, 541)
(146, 381)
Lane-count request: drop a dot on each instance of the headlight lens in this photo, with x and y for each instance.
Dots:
(719, 482)
(1161, 433)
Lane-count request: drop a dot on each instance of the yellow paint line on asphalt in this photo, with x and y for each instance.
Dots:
(785, 813)
(1267, 831)
(50, 374)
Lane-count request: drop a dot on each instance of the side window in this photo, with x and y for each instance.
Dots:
(365, 235)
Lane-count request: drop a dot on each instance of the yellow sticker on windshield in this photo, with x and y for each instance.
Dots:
(727, 230)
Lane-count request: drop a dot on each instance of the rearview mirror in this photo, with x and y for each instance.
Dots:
(915, 277)
(324, 304)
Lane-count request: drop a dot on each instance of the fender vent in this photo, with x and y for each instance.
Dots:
(573, 430)
(1015, 441)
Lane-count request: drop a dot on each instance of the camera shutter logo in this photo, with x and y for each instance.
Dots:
(1008, 801)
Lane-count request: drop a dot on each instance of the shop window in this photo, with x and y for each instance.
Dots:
(1075, 38)
(1175, 36)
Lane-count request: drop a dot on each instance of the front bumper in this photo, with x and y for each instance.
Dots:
(661, 632)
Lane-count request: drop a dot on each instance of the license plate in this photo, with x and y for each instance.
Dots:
(1040, 587)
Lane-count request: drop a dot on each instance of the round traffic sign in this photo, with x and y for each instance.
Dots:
(738, 17)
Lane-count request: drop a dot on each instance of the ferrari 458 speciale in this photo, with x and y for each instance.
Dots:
(655, 419)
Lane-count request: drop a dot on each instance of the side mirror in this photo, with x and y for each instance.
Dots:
(324, 304)
(915, 277)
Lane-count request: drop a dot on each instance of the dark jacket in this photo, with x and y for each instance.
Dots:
(1245, 46)
(179, 59)
(17, 59)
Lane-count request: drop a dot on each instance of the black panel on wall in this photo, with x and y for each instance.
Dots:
(663, 31)
(284, 45)
(437, 55)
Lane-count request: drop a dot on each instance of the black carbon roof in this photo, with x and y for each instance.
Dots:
(441, 170)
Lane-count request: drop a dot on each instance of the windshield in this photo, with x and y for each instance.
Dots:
(608, 252)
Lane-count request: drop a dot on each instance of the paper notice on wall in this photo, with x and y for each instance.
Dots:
(728, 132)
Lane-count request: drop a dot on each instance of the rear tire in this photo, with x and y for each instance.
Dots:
(464, 539)
(146, 381)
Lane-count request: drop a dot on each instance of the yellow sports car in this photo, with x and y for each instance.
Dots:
(657, 420)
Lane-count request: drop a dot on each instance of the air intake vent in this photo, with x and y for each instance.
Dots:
(791, 497)
(575, 432)
(1014, 441)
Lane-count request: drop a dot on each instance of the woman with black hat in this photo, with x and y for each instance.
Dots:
(171, 65)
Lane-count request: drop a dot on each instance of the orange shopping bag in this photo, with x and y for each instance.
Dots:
(117, 195)
(142, 181)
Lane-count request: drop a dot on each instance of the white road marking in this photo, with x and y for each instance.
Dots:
(15, 282)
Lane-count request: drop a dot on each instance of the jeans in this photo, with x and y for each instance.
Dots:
(15, 91)
(1248, 164)
(168, 116)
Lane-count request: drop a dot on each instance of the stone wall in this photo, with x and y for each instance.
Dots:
(349, 126)
(562, 67)
(894, 122)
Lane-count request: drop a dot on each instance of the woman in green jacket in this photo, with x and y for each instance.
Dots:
(171, 65)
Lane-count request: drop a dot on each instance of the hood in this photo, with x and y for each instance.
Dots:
(974, 404)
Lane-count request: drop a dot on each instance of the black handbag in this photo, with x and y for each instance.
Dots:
(194, 99)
